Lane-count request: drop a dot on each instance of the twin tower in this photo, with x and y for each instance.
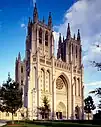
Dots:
(69, 49)
(40, 41)
(60, 79)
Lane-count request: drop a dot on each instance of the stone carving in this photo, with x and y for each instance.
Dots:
(59, 83)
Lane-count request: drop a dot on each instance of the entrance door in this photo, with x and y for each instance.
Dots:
(59, 115)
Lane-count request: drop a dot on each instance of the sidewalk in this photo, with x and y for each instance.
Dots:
(2, 124)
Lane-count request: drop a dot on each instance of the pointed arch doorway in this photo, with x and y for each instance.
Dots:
(62, 97)
(61, 111)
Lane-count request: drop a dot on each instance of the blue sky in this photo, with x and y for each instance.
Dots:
(14, 15)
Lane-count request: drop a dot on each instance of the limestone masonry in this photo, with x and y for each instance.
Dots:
(40, 73)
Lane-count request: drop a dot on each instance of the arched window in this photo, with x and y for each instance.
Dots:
(35, 84)
(46, 38)
(79, 87)
(7, 114)
(77, 112)
(72, 49)
(40, 36)
(21, 69)
(75, 84)
(22, 82)
(48, 80)
(42, 79)
(76, 51)
(69, 52)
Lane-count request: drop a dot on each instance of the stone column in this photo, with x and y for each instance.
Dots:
(34, 103)
(53, 99)
(69, 99)
(29, 94)
(53, 90)
(82, 90)
(38, 74)
(53, 78)
(76, 86)
(73, 101)
(43, 41)
(72, 93)
(82, 102)
(34, 39)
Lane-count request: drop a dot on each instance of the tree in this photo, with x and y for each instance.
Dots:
(45, 109)
(89, 105)
(94, 63)
(97, 93)
(97, 65)
(97, 115)
(10, 96)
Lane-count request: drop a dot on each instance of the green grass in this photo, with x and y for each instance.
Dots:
(24, 125)
(28, 125)
(52, 124)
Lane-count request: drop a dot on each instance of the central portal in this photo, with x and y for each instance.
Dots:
(59, 115)
(61, 111)
(61, 97)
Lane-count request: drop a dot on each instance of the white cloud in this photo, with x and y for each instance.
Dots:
(86, 16)
(98, 83)
(23, 25)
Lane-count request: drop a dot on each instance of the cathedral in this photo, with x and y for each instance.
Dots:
(42, 74)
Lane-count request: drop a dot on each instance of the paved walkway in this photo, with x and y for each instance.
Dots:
(2, 123)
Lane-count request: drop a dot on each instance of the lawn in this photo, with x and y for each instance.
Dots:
(52, 124)
(28, 125)
(16, 124)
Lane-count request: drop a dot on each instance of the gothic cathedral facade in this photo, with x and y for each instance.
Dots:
(60, 79)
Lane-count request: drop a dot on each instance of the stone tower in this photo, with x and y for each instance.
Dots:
(20, 72)
(60, 79)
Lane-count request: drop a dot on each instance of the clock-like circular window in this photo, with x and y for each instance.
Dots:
(59, 83)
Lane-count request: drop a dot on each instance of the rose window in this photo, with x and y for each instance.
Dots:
(59, 83)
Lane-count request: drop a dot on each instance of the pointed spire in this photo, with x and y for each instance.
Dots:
(59, 47)
(50, 20)
(9, 79)
(29, 20)
(8, 74)
(29, 26)
(43, 19)
(60, 38)
(35, 5)
(68, 32)
(19, 56)
(74, 36)
(16, 59)
(78, 36)
(60, 58)
(63, 39)
(35, 14)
